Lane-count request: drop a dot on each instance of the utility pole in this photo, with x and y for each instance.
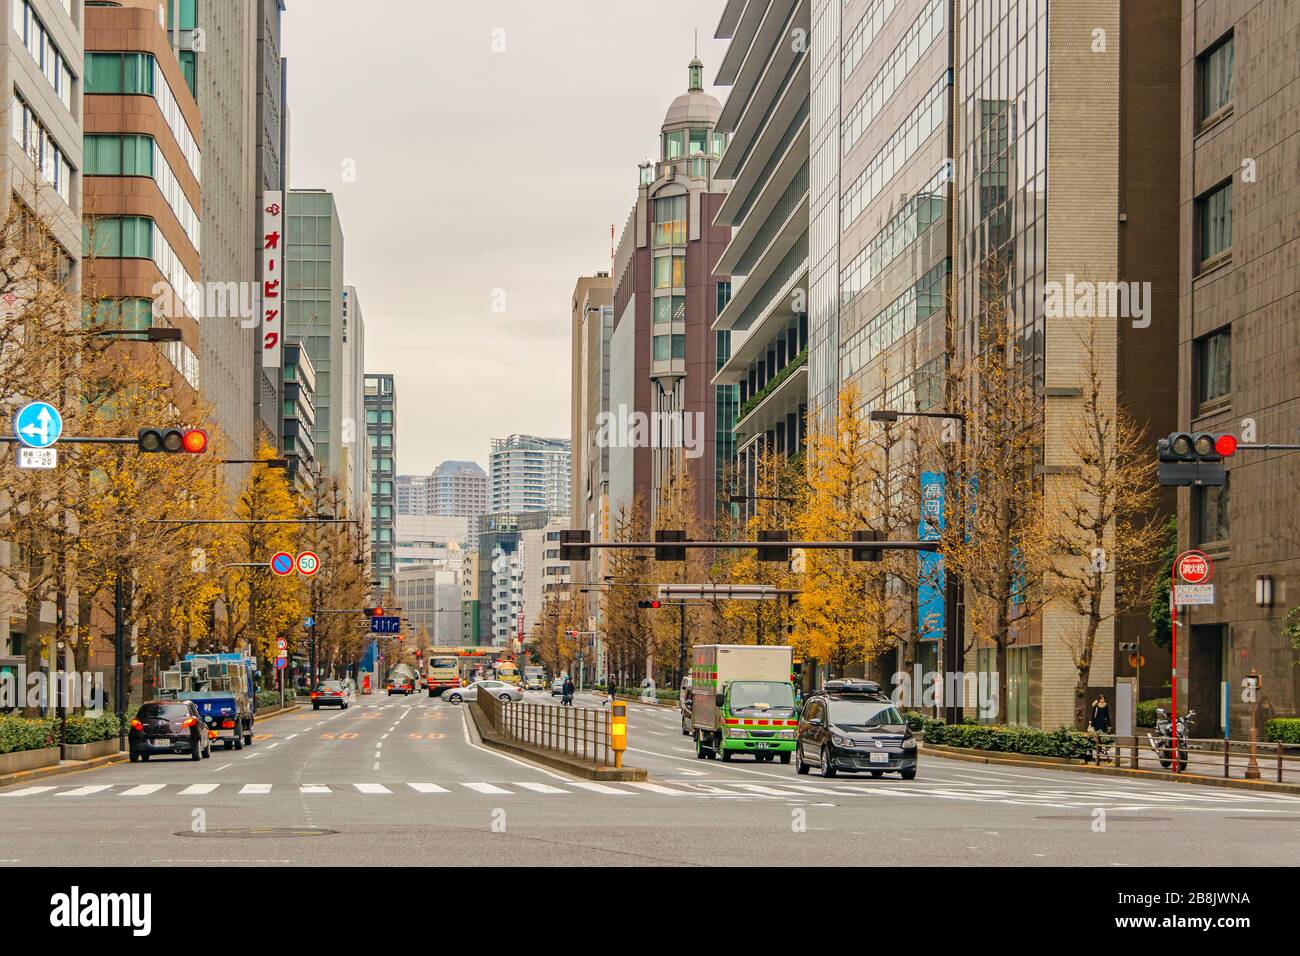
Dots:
(119, 659)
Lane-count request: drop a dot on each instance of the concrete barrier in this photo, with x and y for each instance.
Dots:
(23, 760)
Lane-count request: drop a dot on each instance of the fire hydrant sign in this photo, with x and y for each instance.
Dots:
(1194, 567)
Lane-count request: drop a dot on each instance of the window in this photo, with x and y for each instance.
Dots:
(1215, 222)
(698, 142)
(1211, 506)
(1215, 66)
(670, 309)
(31, 31)
(670, 272)
(126, 237)
(670, 221)
(48, 159)
(724, 295)
(138, 74)
(1214, 366)
(669, 347)
(674, 144)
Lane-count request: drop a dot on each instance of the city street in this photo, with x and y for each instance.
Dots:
(403, 781)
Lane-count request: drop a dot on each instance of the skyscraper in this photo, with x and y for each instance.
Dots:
(459, 489)
(528, 473)
(381, 428)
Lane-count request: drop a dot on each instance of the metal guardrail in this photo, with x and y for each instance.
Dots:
(584, 733)
(1229, 759)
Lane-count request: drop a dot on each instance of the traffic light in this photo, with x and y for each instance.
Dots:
(774, 554)
(666, 553)
(644, 605)
(570, 537)
(374, 612)
(1194, 458)
(867, 554)
(193, 441)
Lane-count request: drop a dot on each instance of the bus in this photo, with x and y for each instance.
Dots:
(442, 671)
(508, 671)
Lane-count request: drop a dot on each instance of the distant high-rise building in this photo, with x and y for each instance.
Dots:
(381, 427)
(355, 468)
(459, 489)
(271, 145)
(529, 474)
(413, 494)
(299, 416)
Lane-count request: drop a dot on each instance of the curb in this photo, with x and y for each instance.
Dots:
(288, 708)
(74, 766)
(578, 768)
(1003, 760)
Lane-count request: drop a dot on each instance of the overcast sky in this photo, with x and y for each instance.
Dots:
(476, 171)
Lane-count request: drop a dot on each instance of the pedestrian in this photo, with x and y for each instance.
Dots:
(609, 690)
(1100, 720)
(566, 697)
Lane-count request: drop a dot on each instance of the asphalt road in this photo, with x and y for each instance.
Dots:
(404, 781)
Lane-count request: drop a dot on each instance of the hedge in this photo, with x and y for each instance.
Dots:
(660, 693)
(271, 698)
(89, 730)
(1070, 744)
(1283, 730)
(20, 733)
(1146, 710)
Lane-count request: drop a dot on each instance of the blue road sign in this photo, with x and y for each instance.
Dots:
(281, 663)
(385, 625)
(309, 622)
(38, 425)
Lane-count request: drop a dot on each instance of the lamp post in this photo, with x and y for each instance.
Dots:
(954, 592)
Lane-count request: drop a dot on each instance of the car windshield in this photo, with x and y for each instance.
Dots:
(331, 685)
(164, 711)
(761, 695)
(443, 663)
(864, 714)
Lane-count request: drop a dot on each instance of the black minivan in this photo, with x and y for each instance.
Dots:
(851, 727)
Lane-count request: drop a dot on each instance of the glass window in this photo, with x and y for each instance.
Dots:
(1216, 221)
(674, 144)
(670, 221)
(699, 142)
(679, 346)
(864, 714)
(670, 272)
(1211, 505)
(718, 143)
(1214, 365)
(1216, 77)
(662, 348)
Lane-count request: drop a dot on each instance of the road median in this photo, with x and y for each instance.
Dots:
(577, 766)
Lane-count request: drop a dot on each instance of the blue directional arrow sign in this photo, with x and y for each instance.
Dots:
(38, 425)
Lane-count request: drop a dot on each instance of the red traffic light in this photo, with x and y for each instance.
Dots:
(1226, 445)
(377, 612)
(195, 441)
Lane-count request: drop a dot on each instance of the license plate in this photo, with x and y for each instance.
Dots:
(880, 758)
(761, 745)
(160, 742)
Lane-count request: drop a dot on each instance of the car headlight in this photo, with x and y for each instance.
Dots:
(909, 743)
(839, 741)
(786, 734)
(737, 732)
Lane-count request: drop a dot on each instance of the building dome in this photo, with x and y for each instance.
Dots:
(694, 107)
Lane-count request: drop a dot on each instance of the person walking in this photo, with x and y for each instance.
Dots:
(1100, 720)
(609, 691)
(566, 696)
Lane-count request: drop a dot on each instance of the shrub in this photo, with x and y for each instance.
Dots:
(1283, 730)
(271, 698)
(89, 730)
(1146, 710)
(20, 733)
(1071, 744)
(660, 693)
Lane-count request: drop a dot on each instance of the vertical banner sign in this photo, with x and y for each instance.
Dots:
(930, 593)
(272, 331)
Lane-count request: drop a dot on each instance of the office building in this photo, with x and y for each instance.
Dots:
(423, 539)
(299, 417)
(381, 429)
(769, 119)
(528, 473)
(429, 595)
(1239, 348)
(545, 576)
(667, 288)
(271, 159)
(354, 437)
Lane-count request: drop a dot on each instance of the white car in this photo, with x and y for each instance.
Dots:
(507, 692)
(557, 686)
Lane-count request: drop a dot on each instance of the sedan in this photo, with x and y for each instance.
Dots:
(169, 727)
(507, 692)
(557, 687)
(329, 693)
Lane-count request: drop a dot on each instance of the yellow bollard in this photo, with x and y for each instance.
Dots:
(618, 731)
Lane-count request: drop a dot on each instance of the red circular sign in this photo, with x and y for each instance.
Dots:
(308, 563)
(1194, 567)
(282, 563)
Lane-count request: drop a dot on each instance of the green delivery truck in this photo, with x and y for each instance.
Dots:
(743, 701)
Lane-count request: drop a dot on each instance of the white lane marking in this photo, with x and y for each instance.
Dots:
(486, 788)
(83, 791)
(255, 789)
(375, 766)
(539, 787)
(379, 744)
(771, 791)
(427, 788)
(143, 790)
(290, 737)
(314, 788)
(224, 766)
(384, 737)
(599, 788)
(28, 791)
(371, 788)
(657, 788)
(197, 789)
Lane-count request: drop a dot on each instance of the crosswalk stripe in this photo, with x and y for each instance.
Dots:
(143, 790)
(84, 791)
(539, 787)
(253, 789)
(427, 788)
(485, 788)
(658, 788)
(198, 789)
(314, 788)
(28, 791)
(599, 788)
(371, 788)
(771, 791)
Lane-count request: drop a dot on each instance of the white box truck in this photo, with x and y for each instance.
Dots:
(743, 701)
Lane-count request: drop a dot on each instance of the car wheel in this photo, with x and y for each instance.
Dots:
(785, 758)
(827, 768)
(238, 741)
(877, 774)
(700, 752)
(248, 738)
(227, 744)
(799, 766)
(909, 774)
(315, 706)
(725, 754)
(135, 757)
(506, 698)
(144, 757)
(196, 750)
(207, 751)
(454, 699)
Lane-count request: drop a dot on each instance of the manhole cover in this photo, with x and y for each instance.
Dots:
(1264, 818)
(259, 833)
(1110, 818)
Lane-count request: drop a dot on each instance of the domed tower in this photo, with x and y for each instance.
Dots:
(665, 283)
